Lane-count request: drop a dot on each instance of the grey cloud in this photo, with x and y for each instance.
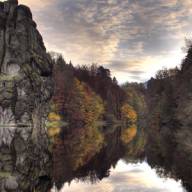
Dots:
(107, 30)
(135, 72)
(133, 67)
(123, 65)
(130, 181)
(136, 189)
(137, 78)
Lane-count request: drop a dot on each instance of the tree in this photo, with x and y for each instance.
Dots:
(128, 114)
(129, 134)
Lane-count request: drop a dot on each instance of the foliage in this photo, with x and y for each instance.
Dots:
(79, 106)
(100, 81)
(128, 134)
(83, 105)
(135, 149)
(169, 123)
(53, 125)
(128, 113)
(135, 96)
(166, 73)
(53, 131)
(86, 146)
(54, 117)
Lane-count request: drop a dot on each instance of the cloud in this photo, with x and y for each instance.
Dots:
(106, 31)
(34, 4)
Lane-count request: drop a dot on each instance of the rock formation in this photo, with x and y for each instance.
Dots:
(25, 90)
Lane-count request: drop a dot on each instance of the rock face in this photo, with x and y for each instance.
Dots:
(25, 90)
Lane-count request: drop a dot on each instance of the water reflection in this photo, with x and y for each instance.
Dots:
(83, 159)
(111, 166)
(133, 177)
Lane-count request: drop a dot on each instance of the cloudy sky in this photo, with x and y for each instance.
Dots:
(134, 38)
(128, 177)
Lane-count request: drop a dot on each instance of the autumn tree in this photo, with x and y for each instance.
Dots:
(100, 81)
(129, 118)
(128, 114)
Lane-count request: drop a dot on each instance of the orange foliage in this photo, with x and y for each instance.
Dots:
(84, 105)
(127, 112)
(129, 134)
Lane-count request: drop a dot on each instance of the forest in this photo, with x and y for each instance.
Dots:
(150, 120)
(61, 122)
(169, 141)
(89, 114)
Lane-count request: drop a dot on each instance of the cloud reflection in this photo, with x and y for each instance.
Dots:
(128, 177)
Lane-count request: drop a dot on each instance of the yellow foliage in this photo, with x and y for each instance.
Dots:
(87, 103)
(128, 134)
(128, 113)
(53, 125)
(53, 131)
(85, 146)
(54, 117)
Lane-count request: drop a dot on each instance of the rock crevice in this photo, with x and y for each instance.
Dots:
(25, 90)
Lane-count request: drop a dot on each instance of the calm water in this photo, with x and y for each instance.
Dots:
(84, 165)
(86, 162)
(132, 177)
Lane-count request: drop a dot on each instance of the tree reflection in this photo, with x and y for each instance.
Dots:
(88, 154)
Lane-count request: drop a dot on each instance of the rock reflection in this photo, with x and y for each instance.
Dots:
(24, 165)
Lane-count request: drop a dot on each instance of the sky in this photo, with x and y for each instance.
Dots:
(128, 177)
(133, 38)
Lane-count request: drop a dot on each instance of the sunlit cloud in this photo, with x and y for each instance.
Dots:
(36, 4)
(106, 31)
